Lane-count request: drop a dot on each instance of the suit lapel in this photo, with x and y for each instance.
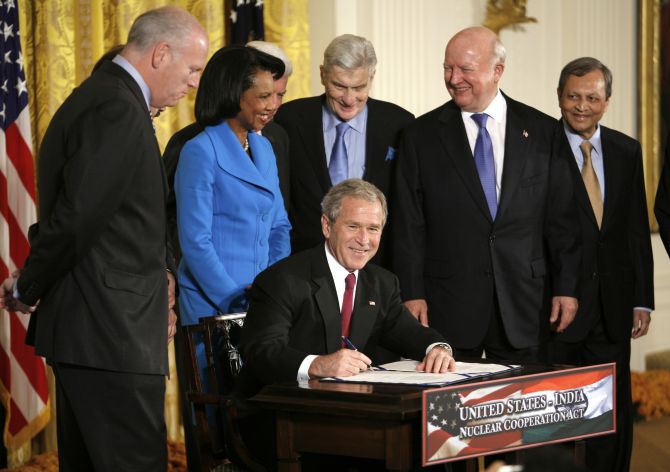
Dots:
(311, 134)
(366, 307)
(612, 168)
(326, 300)
(231, 157)
(455, 141)
(516, 143)
(374, 141)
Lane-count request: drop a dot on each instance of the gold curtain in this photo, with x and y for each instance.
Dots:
(63, 39)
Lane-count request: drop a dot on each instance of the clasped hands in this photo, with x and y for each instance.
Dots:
(346, 362)
(7, 299)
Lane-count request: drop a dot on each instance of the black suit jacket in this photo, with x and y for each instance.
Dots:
(294, 312)
(310, 180)
(275, 134)
(617, 265)
(98, 258)
(446, 248)
(662, 205)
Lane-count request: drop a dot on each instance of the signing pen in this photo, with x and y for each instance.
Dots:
(347, 342)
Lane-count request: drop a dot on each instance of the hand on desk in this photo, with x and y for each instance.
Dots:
(641, 321)
(342, 363)
(419, 310)
(563, 311)
(437, 361)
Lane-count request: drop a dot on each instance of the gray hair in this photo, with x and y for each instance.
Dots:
(350, 52)
(273, 50)
(169, 24)
(582, 66)
(499, 52)
(331, 205)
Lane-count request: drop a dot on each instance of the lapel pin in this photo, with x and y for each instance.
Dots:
(525, 133)
(371, 303)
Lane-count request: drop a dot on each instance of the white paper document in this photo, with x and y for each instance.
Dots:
(404, 372)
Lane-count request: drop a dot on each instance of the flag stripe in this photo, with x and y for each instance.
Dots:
(20, 155)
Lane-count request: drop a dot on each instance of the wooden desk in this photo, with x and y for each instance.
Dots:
(360, 420)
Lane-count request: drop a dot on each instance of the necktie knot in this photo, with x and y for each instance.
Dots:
(341, 129)
(349, 281)
(480, 119)
(586, 148)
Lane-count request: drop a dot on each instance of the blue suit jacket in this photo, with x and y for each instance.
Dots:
(231, 220)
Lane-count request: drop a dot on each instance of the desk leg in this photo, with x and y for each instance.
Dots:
(288, 459)
(398, 447)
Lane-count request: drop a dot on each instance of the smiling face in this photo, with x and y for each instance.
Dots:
(353, 238)
(346, 90)
(583, 102)
(258, 104)
(471, 72)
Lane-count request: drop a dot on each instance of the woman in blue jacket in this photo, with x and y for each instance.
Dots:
(230, 213)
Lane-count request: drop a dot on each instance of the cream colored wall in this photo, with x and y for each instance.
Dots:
(410, 36)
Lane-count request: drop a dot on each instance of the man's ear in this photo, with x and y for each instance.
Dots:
(160, 54)
(322, 73)
(325, 226)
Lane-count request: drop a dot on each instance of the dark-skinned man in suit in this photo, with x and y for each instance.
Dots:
(370, 136)
(483, 222)
(616, 290)
(98, 258)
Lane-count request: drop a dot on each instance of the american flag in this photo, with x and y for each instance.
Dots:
(24, 390)
(246, 21)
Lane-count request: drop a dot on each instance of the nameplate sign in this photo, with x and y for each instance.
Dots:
(514, 413)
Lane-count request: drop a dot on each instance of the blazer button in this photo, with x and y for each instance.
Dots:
(492, 238)
(488, 273)
(594, 275)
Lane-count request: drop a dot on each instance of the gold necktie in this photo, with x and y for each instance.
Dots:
(591, 182)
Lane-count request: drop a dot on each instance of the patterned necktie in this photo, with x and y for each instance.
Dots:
(347, 304)
(591, 182)
(485, 164)
(339, 162)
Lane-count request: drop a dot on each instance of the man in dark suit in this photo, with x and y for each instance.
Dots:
(484, 229)
(616, 291)
(662, 204)
(302, 307)
(98, 258)
(369, 140)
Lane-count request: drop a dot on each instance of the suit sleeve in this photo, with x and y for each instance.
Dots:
(265, 342)
(662, 205)
(101, 156)
(194, 187)
(562, 227)
(640, 239)
(402, 333)
(407, 225)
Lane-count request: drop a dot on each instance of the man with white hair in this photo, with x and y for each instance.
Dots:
(338, 135)
(98, 257)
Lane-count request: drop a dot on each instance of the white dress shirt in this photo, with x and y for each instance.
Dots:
(495, 125)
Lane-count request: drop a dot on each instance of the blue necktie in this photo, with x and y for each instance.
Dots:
(339, 162)
(485, 164)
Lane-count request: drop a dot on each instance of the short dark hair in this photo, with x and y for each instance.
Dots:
(228, 74)
(582, 66)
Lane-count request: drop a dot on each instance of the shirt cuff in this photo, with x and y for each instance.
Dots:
(447, 346)
(303, 370)
(15, 289)
(643, 308)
